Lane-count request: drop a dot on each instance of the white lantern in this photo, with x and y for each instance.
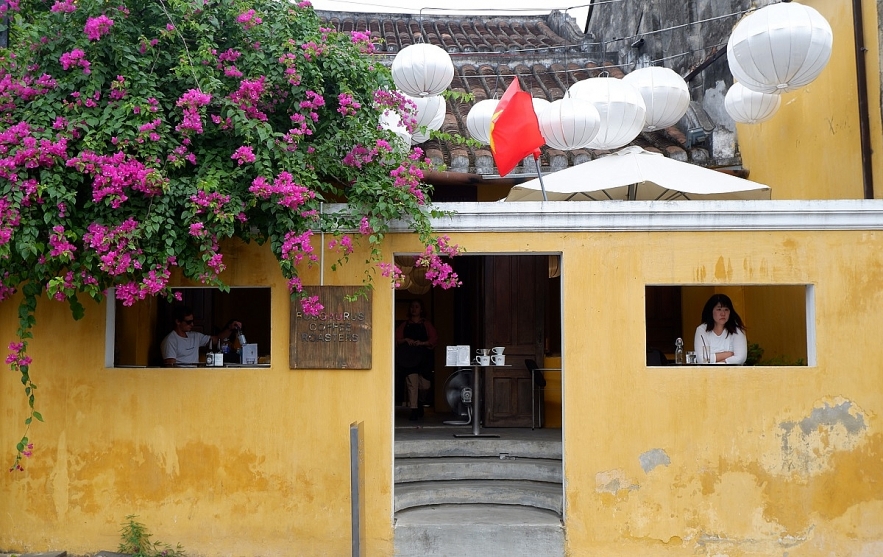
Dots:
(421, 70)
(779, 48)
(391, 120)
(750, 107)
(539, 105)
(620, 106)
(478, 121)
(665, 95)
(430, 113)
(570, 123)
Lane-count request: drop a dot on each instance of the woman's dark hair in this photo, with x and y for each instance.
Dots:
(733, 323)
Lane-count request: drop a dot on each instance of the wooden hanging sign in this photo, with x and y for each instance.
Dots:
(339, 337)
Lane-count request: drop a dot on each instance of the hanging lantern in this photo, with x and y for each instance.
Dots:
(620, 106)
(478, 121)
(539, 105)
(391, 120)
(781, 47)
(570, 123)
(421, 70)
(430, 113)
(750, 107)
(665, 95)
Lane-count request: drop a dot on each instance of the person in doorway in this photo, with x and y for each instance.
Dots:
(721, 333)
(182, 345)
(415, 344)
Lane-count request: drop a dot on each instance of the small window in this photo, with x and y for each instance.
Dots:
(135, 332)
(779, 321)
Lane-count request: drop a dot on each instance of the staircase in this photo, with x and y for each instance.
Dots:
(482, 496)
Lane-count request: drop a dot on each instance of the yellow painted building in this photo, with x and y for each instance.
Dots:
(763, 460)
(811, 148)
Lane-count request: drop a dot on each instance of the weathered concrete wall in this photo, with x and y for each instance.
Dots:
(735, 461)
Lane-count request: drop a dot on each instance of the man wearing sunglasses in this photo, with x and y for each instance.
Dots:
(182, 345)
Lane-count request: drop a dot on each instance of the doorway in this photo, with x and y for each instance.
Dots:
(506, 300)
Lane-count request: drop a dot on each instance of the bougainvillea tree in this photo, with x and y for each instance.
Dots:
(136, 135)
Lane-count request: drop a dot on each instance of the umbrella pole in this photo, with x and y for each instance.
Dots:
(540, 175)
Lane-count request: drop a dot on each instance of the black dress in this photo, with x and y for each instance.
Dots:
(414, 359)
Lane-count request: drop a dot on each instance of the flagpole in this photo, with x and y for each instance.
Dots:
(540, 175)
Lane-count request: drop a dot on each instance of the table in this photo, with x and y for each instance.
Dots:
(476, 397)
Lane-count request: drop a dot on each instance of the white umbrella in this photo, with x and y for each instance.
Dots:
(635, 174)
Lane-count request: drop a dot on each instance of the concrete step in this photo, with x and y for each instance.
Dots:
(477, 468)
(541, 495)
(479, 447)
(478, 530)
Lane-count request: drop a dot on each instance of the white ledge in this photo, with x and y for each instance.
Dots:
(656, 216)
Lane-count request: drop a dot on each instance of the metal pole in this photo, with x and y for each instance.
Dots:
(357, 486)
(540, 174)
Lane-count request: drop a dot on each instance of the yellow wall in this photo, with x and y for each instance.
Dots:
(811, 148)
(244, 462)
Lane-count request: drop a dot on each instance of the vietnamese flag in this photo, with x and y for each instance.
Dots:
(515, 131)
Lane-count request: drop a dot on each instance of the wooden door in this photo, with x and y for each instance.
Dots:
(513, 315)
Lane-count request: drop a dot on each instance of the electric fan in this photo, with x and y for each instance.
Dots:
(458, 393)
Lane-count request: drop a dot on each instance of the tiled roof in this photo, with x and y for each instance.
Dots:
(548, 52)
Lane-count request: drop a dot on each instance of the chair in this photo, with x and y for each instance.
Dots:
(655, 357)
(537, 387)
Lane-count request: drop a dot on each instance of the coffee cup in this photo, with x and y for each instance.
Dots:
(498, 350)
(483, 360)
(498, 359)
(482, 351)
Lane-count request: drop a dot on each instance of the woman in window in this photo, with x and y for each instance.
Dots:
(721, 335)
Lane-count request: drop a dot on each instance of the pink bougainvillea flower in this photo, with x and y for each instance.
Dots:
(243, 155)
(75, 58)
(96, 27)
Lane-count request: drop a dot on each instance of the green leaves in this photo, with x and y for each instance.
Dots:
(133, 169)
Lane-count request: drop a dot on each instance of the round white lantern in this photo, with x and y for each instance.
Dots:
(620, 106)
(430, 113)
(539, 105)
(478, 121)
(421, 70)
(750, 107)
(570, 123)
(665, 95)
(391, 120)
(779, 48)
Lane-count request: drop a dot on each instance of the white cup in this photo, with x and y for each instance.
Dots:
(482, 351)
(483, 360)
(498, 359)
(498, 350)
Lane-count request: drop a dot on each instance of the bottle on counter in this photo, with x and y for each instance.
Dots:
(219, 356)
(679, 351)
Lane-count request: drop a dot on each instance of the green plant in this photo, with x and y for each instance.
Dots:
(755, 358)
(755, 353)
(135, 540)
(137, 135)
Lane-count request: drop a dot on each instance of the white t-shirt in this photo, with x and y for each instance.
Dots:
(185, 350)
(735, 343)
